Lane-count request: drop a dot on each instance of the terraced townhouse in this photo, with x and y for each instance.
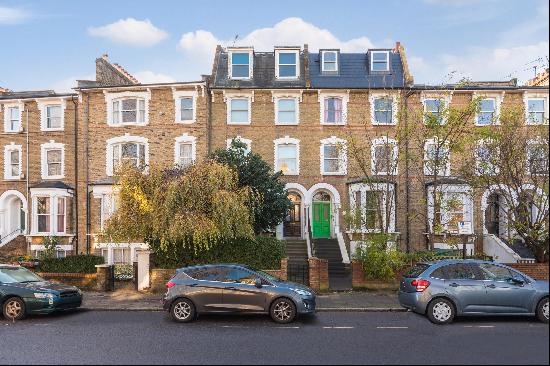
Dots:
(296, 108)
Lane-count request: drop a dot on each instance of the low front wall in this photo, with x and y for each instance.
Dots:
(318, 274)
(160, 276)
(84, 281)
(538, 271)
(359, 280)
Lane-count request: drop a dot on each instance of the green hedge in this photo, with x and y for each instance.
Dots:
(71, 264)
(261, 253)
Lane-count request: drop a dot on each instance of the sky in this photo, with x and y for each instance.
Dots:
(50, 44)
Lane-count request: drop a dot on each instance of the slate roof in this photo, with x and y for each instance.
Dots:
(263, 74)
(354, 73)
(33, 94)
(52, 184)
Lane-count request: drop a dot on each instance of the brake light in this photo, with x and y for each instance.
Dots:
(420, 285)
(170, 284)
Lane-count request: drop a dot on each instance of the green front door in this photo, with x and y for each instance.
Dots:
(321, 220)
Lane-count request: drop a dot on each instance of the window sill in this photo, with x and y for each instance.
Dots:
(375, 123)
(239, 123)
(63, 235)
(186, 122)
(287, 124)
(140, 124)
(13, 132)
(53, 177)
(13, 179)
(60, 129)
(289, 174)
(333, 173)
(333, 124)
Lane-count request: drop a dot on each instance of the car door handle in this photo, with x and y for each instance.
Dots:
(492, 286)
(454, 285)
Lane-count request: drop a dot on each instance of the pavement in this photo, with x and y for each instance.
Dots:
(107, 337)
(131, 300)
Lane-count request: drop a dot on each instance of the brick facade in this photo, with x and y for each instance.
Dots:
(86, 179)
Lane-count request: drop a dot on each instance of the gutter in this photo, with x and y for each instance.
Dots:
(87, 175)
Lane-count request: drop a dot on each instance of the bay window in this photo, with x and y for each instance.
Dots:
(49, 211)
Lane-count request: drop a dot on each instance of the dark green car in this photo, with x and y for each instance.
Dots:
(22, 293)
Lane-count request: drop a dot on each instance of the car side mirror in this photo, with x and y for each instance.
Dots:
(517, 281)
(258, 282)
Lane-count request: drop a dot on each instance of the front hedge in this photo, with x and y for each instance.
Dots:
(261, 253)
(71, 264)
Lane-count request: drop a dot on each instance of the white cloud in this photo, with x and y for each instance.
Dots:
(199, 47)
(151, 77)
(499, 63)
(12, 15)
(141, 33)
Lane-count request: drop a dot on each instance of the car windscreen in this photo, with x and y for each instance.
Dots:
(18, 275)
(416, 270)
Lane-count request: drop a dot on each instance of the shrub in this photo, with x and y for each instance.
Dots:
(380, 262)
(71, 264)
(261, 252)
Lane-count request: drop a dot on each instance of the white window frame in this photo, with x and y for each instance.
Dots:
(107, 207)
(530, 144)
(527, 96)
(498, 98)
(385, 141)
(479, 145)
(372, 53)
(127, 138)
(446, 98)
(111, 97)
(247, 142)
(44, 148)
(185, 139)
(230, 52)
(395, 105)
(385, 189)
(43, 104)
(276, 97)
(53, 194)
(287, 141)
(8, 149)
(342, 155)
(7, 117)
(183, 94)
(345, 99)
(277, 65)
(427, 170)
(228, 99)
(336, 63)
(447, 190)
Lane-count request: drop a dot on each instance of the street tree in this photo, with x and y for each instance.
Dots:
(269, 202)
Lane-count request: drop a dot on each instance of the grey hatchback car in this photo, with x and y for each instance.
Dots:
(225, 288)
(445, 289)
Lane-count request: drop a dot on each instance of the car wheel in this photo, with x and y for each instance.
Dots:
(283, 311)
(542, 310)
(182, 311)
(14, 309)
(441, 311)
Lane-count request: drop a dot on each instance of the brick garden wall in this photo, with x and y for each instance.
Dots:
(84, 281)
(318, 274)
(538, 271)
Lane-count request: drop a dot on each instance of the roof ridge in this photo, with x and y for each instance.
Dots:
(123, 71)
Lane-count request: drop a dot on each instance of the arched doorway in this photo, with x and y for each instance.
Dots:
(321, 215)
(13, 215)
(292, 226)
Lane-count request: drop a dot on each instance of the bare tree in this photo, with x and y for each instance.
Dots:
(512, 160)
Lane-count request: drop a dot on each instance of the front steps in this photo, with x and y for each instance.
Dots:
(296, 250)
(339, 273)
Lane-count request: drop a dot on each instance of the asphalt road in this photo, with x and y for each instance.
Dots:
(329, 338)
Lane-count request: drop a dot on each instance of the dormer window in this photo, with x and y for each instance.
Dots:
(380, 61)
(287, 63)
(240, 64)
(329, 61)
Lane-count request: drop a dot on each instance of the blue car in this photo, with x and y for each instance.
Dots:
(446, 289)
